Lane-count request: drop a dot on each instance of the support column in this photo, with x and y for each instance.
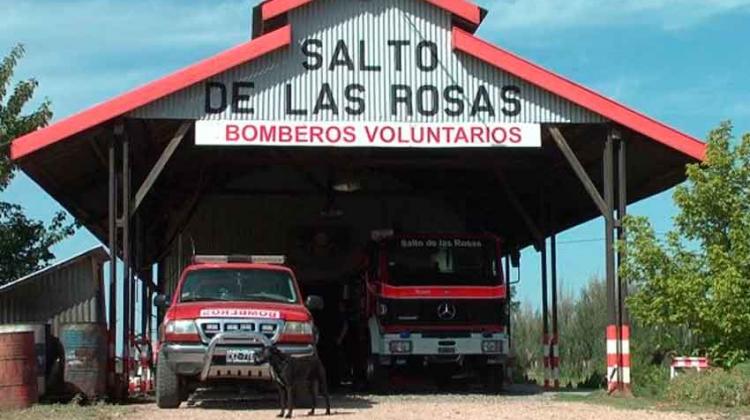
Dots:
(112, 226)
(126, 269)
(615, 332)
(508, 330)
(616, 336)
(622, 284)
(545, 316)
(555, 358)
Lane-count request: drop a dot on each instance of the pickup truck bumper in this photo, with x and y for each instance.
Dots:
(208, 361)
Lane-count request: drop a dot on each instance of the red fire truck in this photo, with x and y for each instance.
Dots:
(225, 309)
(437, 301)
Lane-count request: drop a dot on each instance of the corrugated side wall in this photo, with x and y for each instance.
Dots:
(72, 293)
(376, 23)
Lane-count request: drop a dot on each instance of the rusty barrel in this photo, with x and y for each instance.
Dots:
(18, 381)
(85, 347)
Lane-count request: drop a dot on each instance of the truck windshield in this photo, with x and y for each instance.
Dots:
(238, 285)
(442, 262)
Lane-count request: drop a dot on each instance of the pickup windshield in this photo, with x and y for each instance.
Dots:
(442, 262)
(238, 285)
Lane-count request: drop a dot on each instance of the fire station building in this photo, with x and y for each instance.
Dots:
(339, 118)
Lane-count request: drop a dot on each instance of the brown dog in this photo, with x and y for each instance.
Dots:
(288, 371)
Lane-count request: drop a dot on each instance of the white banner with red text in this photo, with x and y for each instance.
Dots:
(366, 134)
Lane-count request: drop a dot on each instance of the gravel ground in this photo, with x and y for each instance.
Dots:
(413, 407)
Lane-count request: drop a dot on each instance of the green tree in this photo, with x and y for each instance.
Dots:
(582, 322)
(526, 331)
(24, 243)
(582, 327)
(698, 276)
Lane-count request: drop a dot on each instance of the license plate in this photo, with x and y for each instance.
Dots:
(240, 356)
(446, 350)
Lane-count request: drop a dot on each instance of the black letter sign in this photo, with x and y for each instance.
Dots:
(398, 57)
(222, 90)
(316, 59)
(238, 97)
(341, 57)
(432, 52)
(510, 97)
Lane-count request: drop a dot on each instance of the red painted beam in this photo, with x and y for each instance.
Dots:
(461, 8)
(150, 92)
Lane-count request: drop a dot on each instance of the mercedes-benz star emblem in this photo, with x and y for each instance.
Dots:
(446, 311)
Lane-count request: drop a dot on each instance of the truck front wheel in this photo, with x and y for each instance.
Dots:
(494, 379)
(377, 376)
(168, 393)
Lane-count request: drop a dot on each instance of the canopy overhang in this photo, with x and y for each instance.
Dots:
(69, 158)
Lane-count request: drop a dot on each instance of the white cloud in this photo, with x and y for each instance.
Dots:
(553, 14)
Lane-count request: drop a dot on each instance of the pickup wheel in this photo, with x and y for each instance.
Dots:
(168, 392)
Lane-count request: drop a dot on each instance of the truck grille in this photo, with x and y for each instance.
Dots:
(208, 328)
(426, 312)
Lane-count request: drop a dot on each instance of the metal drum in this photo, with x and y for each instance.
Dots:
(85, 347)
(40, 347)
(18, 381)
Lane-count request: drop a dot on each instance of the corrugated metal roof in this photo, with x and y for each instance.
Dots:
(98, 252)
(69, 291)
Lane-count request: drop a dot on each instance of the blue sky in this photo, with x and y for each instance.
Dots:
(684, 62)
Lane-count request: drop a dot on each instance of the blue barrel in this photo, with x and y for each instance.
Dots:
(85, 347)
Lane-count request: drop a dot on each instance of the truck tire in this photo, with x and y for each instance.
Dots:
(168, 392)
(494, 379)
(377, 376)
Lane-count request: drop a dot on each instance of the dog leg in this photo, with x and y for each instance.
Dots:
(314, 396)
(322, 382)
(282, 402)
(289, 400)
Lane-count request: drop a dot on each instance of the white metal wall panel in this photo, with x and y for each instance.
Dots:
(72, 293)
(375, 22)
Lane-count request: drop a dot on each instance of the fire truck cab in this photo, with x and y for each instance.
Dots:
(437, 301)
(224, 310)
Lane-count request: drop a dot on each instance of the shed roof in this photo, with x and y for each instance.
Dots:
(658, 152)
(99, 253)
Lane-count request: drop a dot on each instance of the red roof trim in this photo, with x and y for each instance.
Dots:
(461, 8)
(150, 92)
(274, 8)
(558, 85)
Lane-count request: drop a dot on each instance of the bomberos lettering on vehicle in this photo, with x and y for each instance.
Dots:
(239, 313)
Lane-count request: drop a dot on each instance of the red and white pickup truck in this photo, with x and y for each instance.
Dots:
(224, 310)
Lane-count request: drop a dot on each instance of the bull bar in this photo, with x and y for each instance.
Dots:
(199, 358)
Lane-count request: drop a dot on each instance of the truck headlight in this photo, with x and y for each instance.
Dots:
(400, 347)
(181, 330)
(298, 328)
(181, 326)
(492, 346)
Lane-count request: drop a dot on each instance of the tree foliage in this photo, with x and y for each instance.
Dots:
(698, 276)
(12, 122)
(582, 322)
(24, 243)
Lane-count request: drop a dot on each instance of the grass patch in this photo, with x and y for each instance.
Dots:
(99, 411)
(718, 387)
(601, 397)
(654, 404)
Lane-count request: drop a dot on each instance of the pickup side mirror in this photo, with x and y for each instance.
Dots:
(162, 301)
(314, 303)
